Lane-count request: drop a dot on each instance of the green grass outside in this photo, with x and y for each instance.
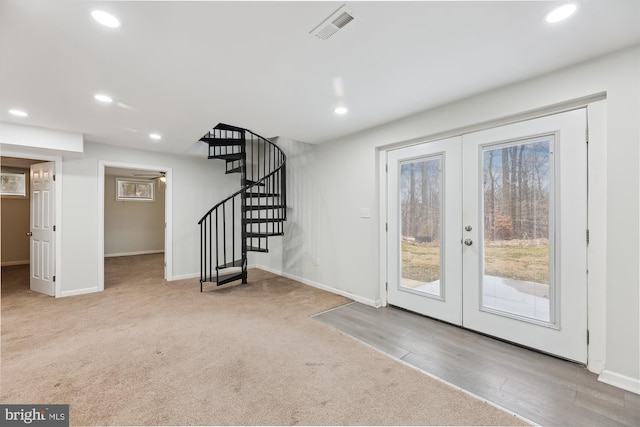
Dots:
(513, 260)
(420, 262)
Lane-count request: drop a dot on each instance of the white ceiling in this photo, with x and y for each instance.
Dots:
(179, 68)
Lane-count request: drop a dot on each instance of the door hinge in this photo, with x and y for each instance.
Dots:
(54, 279)
(587, 236)
(386, 226)
(586, 134)
(54, 176)
(587, 337)
(386, 167)
(386, 286)
(54, 228)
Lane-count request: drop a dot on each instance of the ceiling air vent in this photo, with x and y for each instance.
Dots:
(334, 23)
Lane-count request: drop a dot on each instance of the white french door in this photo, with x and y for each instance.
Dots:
(488, 231)
(424, 217)
(42, 253)
(525, 200)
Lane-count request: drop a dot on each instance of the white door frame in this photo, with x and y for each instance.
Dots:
(57, 209)
(596, 251)
(168, 214)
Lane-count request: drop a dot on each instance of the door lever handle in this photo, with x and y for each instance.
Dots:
(468, 242)
(29, 233)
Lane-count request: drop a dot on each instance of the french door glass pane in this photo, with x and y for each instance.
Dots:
(420, 224)
(518, 228)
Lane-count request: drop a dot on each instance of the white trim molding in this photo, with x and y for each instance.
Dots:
(381, 157)
(78, 292)
(184, 277)
(621, 381)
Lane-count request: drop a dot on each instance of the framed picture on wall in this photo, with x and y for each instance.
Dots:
(132, 190)
(13, 184)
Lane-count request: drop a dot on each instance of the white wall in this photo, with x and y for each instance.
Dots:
(197, 185)
(330, 183)
(320, 228)
(297, 253)
(133, 227)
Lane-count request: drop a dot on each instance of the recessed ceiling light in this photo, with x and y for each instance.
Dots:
(341, 110)
(561, 13)
(103, 98)
(105, 19)
(18, 113)
(155, 136)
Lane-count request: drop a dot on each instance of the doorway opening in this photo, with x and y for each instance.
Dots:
(134, 219)
(18, 222)
(134, 215)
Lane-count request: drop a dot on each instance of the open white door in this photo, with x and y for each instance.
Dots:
(42, 276)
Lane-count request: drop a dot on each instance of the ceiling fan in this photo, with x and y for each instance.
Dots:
(152, 175)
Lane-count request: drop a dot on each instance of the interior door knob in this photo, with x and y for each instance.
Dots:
(29, 233)
(468, 242)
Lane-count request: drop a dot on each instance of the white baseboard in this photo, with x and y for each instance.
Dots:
(185, 276)
(9, 263)
(621, 381)
(134, 253)
(77, 292)
(358, 298)
(197, 275)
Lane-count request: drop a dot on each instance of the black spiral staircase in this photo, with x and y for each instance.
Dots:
(244, 221)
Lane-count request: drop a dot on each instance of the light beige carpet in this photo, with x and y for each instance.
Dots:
(149, 352)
